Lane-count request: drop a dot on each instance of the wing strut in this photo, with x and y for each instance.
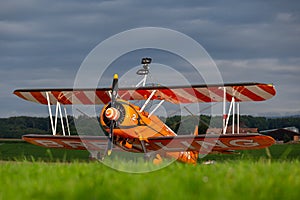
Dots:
(147, 101)
(233, 106)
(224, 109)
(238, 117)
(54, 124)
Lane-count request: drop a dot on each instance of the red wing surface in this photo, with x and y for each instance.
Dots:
(210, 143)
(203, 144)
(174, 94)
(68, 142)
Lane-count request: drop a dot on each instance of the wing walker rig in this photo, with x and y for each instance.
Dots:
(131, 128)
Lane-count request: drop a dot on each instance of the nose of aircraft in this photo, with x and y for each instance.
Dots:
(112, 114)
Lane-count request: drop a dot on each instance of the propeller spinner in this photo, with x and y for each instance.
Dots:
(112, 114)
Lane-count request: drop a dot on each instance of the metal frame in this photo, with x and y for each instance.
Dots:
(143, 83)
(238, 118)
(146, 69)
(226, 117)
(147, 101)
(57, 109)
(224, 109)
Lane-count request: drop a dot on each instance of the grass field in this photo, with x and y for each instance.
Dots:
(26, 173)
(20, 151)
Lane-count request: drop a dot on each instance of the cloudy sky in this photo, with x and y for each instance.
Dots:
(44, 42)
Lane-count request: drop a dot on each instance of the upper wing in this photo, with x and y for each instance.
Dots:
(65, 96)
(210, 143)
(174, 94)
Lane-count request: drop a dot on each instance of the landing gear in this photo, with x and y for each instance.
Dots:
(147, 156)
(96, 155)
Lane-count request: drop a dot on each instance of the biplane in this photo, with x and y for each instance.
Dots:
(131, 128)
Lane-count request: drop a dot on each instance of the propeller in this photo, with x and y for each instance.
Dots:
(112, 114)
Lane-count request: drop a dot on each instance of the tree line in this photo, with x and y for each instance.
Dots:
(15, 127)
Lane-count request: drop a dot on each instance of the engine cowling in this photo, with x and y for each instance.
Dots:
(109, 113)
(131, 123)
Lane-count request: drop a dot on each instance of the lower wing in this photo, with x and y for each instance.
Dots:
(68, 142)
(210, 143)
(201, 143)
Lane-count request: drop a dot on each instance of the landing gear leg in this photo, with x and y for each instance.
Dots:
(147, 156)
(100, 156)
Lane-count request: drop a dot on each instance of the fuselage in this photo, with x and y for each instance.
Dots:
(134, 125)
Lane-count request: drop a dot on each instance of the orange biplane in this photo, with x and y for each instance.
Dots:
(130, 128)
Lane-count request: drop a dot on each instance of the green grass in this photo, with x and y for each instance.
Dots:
(279, 152)
(20, 151)
(228, 180)
(26, 173)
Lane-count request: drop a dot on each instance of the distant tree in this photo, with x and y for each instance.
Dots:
(15, 127)
(286, 138)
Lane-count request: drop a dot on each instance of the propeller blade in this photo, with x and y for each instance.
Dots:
(110, 139)
(114, 94)
(115, 90)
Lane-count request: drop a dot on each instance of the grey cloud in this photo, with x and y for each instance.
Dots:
(252, 40)
(284, 75)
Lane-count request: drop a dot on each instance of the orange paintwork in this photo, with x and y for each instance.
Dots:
(134, 128)
(138, 125)
(184, 148)
(136, 131)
